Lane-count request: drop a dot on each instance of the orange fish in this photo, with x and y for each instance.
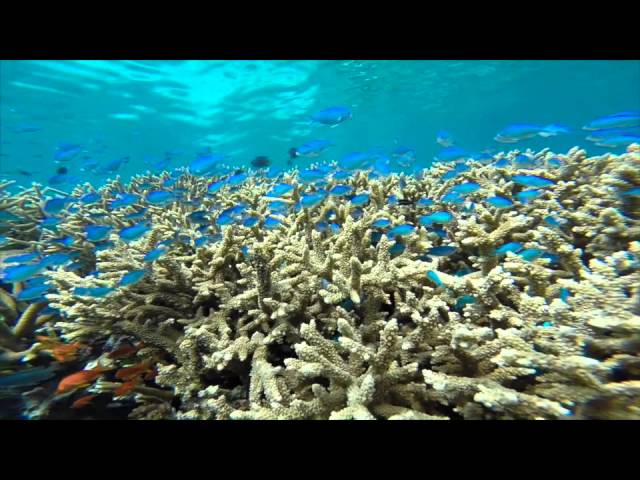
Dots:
(126, 387)
(133, 371)
(79, 379)
(83, 401)
(123, 352)
(66, 353)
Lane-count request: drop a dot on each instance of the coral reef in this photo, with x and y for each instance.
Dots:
(291, 320)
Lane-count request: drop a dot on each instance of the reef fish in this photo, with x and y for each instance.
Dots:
(508, 247)
(442, 250)
(96, 292)
(54, 206)
(205, 164)
(20, 273)
(132, 277)
(134, 232)
(615, 120)
(532, 181)
(83, 401)
(309, 200)
(444, 138)
(79, 380)
(97, 233)
(340, 190)
(401, 230)
(465, 188)
(32, 293)
(310, 149)
(332, 116)
(124, 200)
(436, 217)
(360, 199)
(154, 254)
(280, 189)
(160, 197)
(499, 202)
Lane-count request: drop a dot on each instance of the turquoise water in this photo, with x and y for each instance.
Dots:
(243, 109)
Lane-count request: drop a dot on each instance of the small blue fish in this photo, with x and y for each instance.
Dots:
(632, 192)
(616, 120)
(280, 189)
(20, 273)
(462, 167)
(270, 223)
(332, 116)
(436, 217)
(465, 188)
(114, 165)
(65, 241)
(502, 163)
(464, 300)
(499, 202)
(564, 295)
(202, 241)
(532, 181)
(24, 257)
(310, 149)
(74, 266)
(198, 217)
(28, 377)
(278, 206)
(322, 226)
(54, 206)
(444, 138)
(205, 164)
(309, 200)
(452, 197)
(311, 175)
(425, 202)
(215, 186)
(527, 195)
(508, 247)
(136, 215)
(555, 222)
(451, 153)
(520, 131)
(341, 190)
(237, 178)
(103, 246)
(381, 223)
(132, 277)
(341, 175)
(134, 232)
(439, 232)
(91, 197)
(360, 199)
(531, 254)
(552, 257)
(524, 161)
(160, 197)
(230, 215)
(32, 293)
(433, 276)
(154, 254)
(250, 221)
(393, 200)
(56, 259)
(3, 240)
(401, 230)
(397, 248)
(124, 200)
(442, 250)
(97, 233)
(95, 292)
(335, 228)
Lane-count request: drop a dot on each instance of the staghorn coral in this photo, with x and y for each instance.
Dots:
(296, 322)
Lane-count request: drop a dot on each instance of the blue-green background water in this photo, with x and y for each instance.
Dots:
(250, 108)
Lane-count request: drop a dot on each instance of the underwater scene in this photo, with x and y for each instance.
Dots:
(319, 239)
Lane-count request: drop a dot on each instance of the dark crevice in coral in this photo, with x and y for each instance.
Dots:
(277, 352)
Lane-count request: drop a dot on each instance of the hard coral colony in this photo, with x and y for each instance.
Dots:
(445, 317)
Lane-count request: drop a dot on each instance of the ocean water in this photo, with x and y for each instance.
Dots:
(243, 109)
(467, 262)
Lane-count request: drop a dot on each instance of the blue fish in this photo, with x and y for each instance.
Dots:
(341, 175)
(202, 241)
(499, 202)
(237, 178)
(280, 189)
(198, 217)
(355, 160)
(341, 190)
(600, 135)
(465, 188)
(215, 186)
(278, 206)
(524, 161)
(464, 300)
(616, 120)
(97, 233)
(425, 202)
(393, 200)
(442, 250)
(439, 232)
(20, 273)
(271, 223)
(437, 217)
(360, 199)
(444, 138)
(397, 248)
(433, 276)
(250, 221)
(309, 200)
(451, 154)
(91, 197)
(32, 293)
(310, 149)
(136, 215)
(564, 295)
(134, 232)
(532, 181)
(54, 206)
(502, 163)
(56, 259)
(526, 195)
(520, 131)
(132, 277)
(155, 254)
(555, 222)
(632, 192)
(28, 377)
(66, 152)
(322, 226)
(619, 141)
(205, 164)
(74, 266)
(401, 230)
(335, 228)
(66, 241)
(552, 257)
(508, 247)
(381, 223)
(160, 197)
(3, 240)
(124, 200)
(452, 197)
(96, 292)
(103, 246)
(24, 257)
(531, 254)
(332, 116)
(114, 165)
